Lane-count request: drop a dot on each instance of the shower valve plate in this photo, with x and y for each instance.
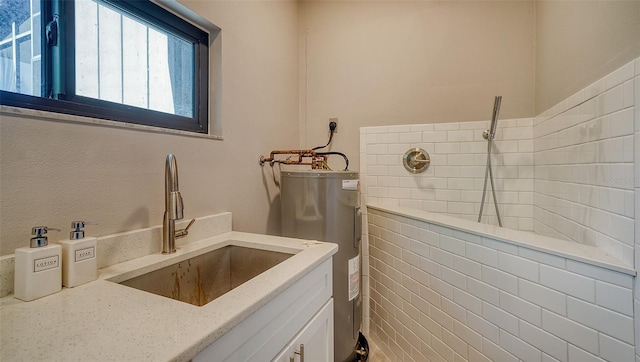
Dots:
(416, 160)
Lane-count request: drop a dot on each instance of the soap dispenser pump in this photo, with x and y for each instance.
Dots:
(79, 257)
(38, 271)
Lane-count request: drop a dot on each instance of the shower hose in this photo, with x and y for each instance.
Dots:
(488, 173)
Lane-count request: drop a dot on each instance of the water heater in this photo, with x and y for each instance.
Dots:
(324, 205)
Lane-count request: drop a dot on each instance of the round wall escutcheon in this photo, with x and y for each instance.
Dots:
(416, 160)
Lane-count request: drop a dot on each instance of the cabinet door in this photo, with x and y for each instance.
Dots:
(284, 355)
(314, 343)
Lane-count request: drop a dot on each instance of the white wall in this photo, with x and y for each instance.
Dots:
(53, 173)
(578, 42)
(378, 63)
(375, 63)
(366, 62)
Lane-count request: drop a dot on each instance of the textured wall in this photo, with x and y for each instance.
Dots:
(53, 172)
(375, 63)
(580, 41)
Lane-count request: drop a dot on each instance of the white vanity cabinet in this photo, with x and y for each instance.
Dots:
(314, 343)
(301, 314)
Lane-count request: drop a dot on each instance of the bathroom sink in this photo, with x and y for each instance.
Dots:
(203, 278)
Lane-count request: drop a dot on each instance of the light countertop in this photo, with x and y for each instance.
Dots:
(103, 320)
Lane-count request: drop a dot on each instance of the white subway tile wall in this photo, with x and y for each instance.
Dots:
(584, 166)
(454, 181)
(636, 301)
(568, 173)
(437, 294)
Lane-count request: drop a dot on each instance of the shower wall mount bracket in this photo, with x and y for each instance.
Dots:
(485, 134)
(416, 160)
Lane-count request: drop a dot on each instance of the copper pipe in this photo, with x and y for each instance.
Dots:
(317, 161)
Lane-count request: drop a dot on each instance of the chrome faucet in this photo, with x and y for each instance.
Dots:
(173, 207)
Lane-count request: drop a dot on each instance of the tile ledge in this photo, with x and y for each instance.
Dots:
(566, 249)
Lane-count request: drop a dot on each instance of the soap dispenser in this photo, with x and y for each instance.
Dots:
(79, 257)
(38, 271)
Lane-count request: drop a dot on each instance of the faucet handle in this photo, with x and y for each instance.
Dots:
(189, 225)
(184, 232)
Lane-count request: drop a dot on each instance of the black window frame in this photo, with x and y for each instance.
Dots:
(58, 71)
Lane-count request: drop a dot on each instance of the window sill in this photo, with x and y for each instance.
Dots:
(68, 118)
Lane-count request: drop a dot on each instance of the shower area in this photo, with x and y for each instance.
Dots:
(567, 174)
(556, 280)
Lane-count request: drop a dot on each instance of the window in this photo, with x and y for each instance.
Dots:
(129, 61)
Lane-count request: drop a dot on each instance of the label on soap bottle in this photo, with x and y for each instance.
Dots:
(86, 253)
(46, 263)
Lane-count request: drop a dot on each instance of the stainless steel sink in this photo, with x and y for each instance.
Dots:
(204, 278)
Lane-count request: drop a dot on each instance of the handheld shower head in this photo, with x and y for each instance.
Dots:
(489, 134)
(494, 117)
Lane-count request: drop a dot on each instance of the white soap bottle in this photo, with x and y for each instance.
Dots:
(79, 257)
(38, 270)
